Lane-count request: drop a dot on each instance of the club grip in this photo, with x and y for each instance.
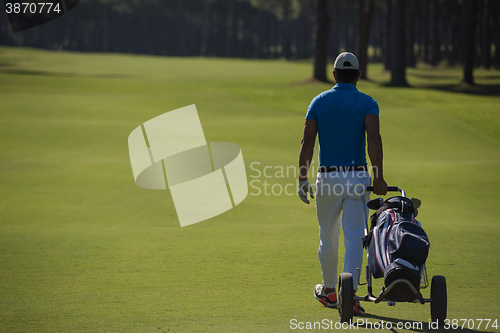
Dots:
(389, 188)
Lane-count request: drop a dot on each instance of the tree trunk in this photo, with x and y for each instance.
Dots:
(434, 42)
(426, 31)
(386, 33)
(398, 58)
(468, 35)
(376, 42)
(454, 10)
(320, 39)
(486, 35)
(230, 30)
(285, 30)
(496, 32)
(364, 22)
(205, 30)
(334, 40)
(410, 33)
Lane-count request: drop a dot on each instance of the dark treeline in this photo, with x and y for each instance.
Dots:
(219, 28)
(431, 31)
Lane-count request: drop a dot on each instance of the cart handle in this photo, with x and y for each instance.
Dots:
(389, 189)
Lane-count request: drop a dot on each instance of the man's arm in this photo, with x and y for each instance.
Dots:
(305, 157)
(376, 153)
(307, 148)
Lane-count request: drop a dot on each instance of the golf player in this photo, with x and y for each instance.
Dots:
(340, 117)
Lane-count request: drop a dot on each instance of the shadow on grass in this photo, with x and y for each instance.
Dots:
(456, 75)
(461, 88)
(5, 69)
(390, 85)
(490, 77)
(400, 326)
(312, 80)
(477, 89)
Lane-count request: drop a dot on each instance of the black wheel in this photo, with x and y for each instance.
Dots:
(346, 297)
(439, 297)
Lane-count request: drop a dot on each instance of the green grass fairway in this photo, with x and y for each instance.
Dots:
(82, 248)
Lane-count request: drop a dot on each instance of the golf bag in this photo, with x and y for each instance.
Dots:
(397, 245)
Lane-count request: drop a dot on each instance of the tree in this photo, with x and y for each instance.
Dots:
(486, 34)
(424, 31)
(496, 35)
(453, 14)
(284, 11)
(469, 9)
(321, 29)
(433, 47)
(364, 22)
(398, 55)
(205, 31)
(410, 33)
(386, 33)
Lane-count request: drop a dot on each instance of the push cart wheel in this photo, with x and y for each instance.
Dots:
(439, 299)
(346, 297)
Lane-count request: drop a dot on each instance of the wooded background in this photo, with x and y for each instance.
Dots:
(398, 33)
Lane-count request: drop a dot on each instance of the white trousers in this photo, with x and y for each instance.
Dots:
(340, 197)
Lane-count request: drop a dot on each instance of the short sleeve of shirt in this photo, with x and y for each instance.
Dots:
(311, 113)
(371, 106)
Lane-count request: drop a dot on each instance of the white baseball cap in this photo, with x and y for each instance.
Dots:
(346, 60)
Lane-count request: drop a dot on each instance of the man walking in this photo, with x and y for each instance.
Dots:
(341, 116)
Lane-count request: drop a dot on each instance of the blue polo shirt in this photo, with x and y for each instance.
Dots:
(340, 116)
